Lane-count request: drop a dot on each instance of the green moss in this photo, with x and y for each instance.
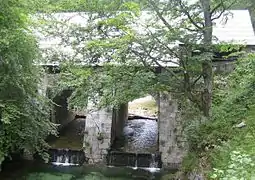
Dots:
(87, 144)
(70, 137)
(168, 176)
(67, 142)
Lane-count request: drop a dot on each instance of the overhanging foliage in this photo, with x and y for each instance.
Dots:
(24, 120)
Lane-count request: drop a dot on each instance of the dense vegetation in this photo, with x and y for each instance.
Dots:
(223, 148)
(109, 39)
(24, 121)
(217, 148)
(220, 147)
(225, 151)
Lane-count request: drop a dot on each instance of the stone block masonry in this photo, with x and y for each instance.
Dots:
(171, 144)
(102, 128)
(97, 138)
(97, 135)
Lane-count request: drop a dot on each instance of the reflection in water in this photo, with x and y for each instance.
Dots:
(51, 172)
(59, 176)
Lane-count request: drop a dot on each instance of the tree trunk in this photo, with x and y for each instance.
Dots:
(207, 64)
(252, 13)
(207, 92)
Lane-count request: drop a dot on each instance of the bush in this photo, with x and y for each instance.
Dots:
(239, 167)
(230, 149)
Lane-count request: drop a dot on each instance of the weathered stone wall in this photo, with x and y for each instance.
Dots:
(42, 87)
(223, 66)
(97, 135)
(171, 139)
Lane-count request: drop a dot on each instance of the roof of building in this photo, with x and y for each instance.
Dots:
(237, 28)
(233, 27)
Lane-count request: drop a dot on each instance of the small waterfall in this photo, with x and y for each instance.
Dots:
(58, 159)
(146, 161)
(153, 163)
(73, 159)
(136, 164)
(66, 157)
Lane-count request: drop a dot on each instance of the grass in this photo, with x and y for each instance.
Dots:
(146, 107)
(230, 158)
(232, 155)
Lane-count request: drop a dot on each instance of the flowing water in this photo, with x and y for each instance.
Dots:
(140, 163)
(141, 136)
(67, 157)
(35, 171)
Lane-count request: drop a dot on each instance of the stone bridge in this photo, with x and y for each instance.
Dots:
(104, 126)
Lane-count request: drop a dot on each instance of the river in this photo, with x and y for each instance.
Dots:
(40, 171)
(141, 136)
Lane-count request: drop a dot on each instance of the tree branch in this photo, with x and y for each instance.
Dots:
(192, 30)
(156, 62)
(216, 7)
(219, 15)
(160, 42)
(143, 60)
(183, 9)
(160, 15)
(222, 11)
(196, 80)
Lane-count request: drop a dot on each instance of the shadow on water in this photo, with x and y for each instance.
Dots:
(70, 137)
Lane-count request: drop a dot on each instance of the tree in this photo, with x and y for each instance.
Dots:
(24, 122)
(120, 35)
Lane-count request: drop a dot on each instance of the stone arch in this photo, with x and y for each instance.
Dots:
(124, 116)
(61, 113)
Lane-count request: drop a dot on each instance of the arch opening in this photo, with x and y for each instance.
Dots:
(135, 126)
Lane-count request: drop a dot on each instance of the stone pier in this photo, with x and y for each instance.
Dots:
(171, 139)
(102, 128)
(97, 135)
(105, 125)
